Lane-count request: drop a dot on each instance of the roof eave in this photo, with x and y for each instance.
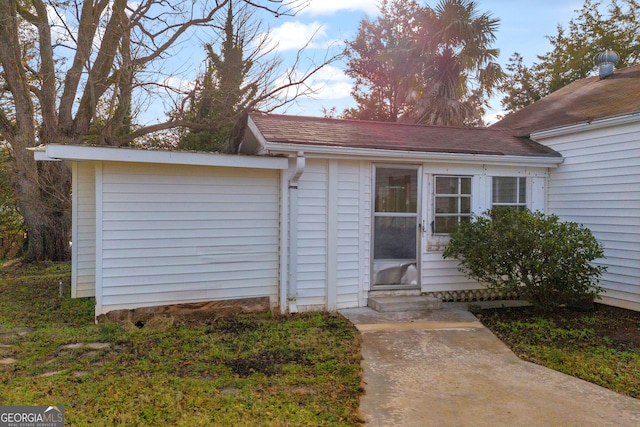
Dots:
(586, 126)
(256, 146)
(40, 154)
(411, 156)
(55, 152)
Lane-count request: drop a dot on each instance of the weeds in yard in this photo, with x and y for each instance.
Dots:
(602, 346)
(261, 369)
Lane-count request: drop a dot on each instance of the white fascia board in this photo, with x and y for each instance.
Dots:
(79, 152)
(40, 154)
(584, 127)
(396, 156)
(253, 128)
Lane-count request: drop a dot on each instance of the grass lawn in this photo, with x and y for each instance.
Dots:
(600, 346)
(253, 370)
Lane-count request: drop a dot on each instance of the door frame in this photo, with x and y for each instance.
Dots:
(419, 223)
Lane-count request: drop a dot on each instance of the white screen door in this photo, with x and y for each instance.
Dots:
(395, 231)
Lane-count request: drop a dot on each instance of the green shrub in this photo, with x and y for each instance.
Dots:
(542, 259)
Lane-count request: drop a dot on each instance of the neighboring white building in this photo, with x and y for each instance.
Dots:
(594, 124)
(316, 215)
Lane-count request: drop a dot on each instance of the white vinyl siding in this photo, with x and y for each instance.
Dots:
(329, 235)
(175, 234)
(442, 275)
(598, 185)
(84, 231)
(348, 235)
(312, 235)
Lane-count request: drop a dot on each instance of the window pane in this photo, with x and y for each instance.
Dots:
(466, 185)
(504, 190)
(452, 202)
(397, 272)
(446, 205)
(444, 224)
(394, 238)
(523, 190)
(465, 205)
(396, 190)
(446, 185)
(510, 191)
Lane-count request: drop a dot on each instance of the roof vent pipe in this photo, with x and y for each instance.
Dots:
(605, 61)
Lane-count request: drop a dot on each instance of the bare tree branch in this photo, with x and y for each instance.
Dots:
(64, 22)
(47, 74)
(97, 80)
(177, 123)
(179, 30)
(281, 7)
(87, 28)
(14, 74)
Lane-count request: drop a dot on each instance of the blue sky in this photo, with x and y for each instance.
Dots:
(523, 27)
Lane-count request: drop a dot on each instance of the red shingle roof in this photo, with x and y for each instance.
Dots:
(579, 102)
(394, 136)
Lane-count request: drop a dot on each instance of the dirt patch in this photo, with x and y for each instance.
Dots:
(234, 325)
(338, 325)
(611, 325)
(268, 362)
(9, 336)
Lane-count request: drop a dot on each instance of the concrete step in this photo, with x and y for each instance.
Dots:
(404, 303)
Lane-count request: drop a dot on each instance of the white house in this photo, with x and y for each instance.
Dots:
(314, 213)
(594, 123)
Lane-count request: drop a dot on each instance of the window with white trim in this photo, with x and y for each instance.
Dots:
(452, 202)
(509, 191)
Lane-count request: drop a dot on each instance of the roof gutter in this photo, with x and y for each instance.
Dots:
(410, 156)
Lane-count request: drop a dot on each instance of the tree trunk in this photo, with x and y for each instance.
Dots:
(49, 240)
(43, 194)
(42, 191)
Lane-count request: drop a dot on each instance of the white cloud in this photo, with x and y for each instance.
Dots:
(176, 83)
(295, 35)
(334, 90)
(491, 118)
(330, 7)
(331, 83)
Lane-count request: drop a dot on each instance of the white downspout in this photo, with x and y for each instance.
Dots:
(292, 285)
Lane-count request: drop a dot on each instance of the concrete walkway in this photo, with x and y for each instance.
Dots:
(443, 368)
